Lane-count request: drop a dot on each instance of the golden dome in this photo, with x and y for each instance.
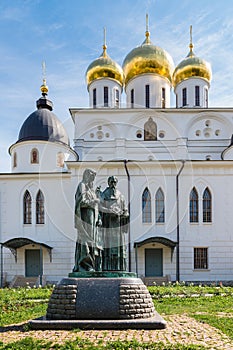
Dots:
(192, 66)
(148, 58)
(104, 67)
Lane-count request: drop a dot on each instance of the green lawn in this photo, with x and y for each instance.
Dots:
(78, 344)
(22, 304)
(212, 305)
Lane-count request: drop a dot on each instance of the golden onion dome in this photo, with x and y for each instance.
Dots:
(104, 67)
(192, 66)
(148, 58)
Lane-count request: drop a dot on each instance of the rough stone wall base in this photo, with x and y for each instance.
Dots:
(100, 298)
(100, 303)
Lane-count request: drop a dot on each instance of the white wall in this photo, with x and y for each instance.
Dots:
(48, 154)
(190, 84)
(99, 85)
(156, 84)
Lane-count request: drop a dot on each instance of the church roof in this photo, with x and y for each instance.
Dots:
(148, 58)
(43, 124)
(192, 66)
(104, 67)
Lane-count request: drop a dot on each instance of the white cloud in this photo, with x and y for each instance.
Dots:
(69, 37)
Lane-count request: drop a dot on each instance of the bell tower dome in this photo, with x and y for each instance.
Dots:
(43, 144)
(104, 79)
(148, 75)
(191, 80)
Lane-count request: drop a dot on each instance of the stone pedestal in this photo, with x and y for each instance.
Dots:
(100, 303)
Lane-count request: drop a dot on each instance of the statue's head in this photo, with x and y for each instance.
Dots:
(89, 175)
(112, 181)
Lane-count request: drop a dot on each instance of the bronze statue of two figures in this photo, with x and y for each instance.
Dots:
(101, 220)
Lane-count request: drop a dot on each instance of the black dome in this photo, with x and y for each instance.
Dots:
(43, 125)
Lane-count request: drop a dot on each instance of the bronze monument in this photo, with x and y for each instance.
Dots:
(100, 293)
(101, 220)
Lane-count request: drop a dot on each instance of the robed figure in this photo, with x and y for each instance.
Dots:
(115, 219)
(87, 221)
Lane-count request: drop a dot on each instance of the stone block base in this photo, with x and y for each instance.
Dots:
(100, 303)
(156, 322)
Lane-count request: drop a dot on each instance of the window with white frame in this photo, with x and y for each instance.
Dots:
(147, 96)
(207, 205)
(163, 97)
(132, 98)
(184, 97)
(146, 206)
(200, 258)
(197, 95)
(94, 98)
(206, 97)
(40, 208)
(105, 96)
(27, 208)
(193, 206)
(117, 98)
(159, 206)
(14, 160)
(34, 156)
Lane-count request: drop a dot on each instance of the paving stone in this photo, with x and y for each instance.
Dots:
(180, 329)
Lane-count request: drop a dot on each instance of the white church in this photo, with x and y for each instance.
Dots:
(174, 165)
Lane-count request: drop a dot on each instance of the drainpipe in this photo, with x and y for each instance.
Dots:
(136, 258)
(41, 265)
(129, 235)
(1, 265)
(178, 223)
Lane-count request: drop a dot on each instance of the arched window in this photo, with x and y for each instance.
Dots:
(40, 208)
(147, 96)
(184, 97)
(193, 206)
(14, 160)
(197, 95)
(207, 205)
(150, 130)
(146, 206)
(27, 208)
(105, 96)
(132, 98)
(60, 159)
(94, 98)
(163, 98)
(117, 98)
(34, 156)
(206, 98)
(159, 206)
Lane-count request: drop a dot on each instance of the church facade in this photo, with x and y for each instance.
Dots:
(174, 165)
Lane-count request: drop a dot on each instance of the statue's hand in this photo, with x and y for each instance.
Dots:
(115, 210)
(125, 214)
(98, 191)
(96, 201)
(99, 223)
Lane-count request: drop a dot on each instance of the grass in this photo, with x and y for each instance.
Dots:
(181, 289)
(211, 305)
(22, 304)
(32, 344)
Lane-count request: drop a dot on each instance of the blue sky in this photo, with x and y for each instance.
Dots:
(68, 36)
